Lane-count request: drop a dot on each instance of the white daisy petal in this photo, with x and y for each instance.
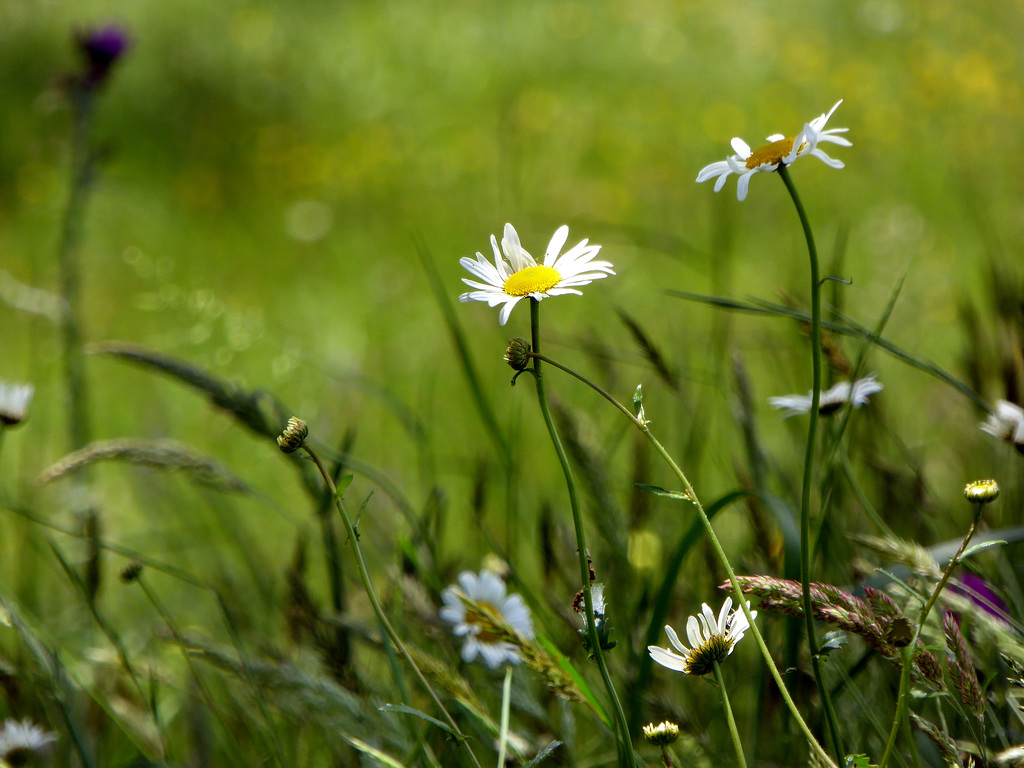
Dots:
(1006, 423)
(555, 246)
(666, 658)
(740, 147)
(14, 402)
(831, 400)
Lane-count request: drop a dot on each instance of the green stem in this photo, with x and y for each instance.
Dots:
(733, 732)
(723, 560)
(364, 576)
(506, 699)
(83, 164)
(805, 493)
(903, 702)
(625, 743)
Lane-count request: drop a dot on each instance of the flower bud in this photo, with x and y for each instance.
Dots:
(517, 355)
(132, 571)
(662, 734)
(294, 435)
(981, 491)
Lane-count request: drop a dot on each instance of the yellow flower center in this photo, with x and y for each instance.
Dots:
(532, 280)
(702, 659)
(479, 615)
(771, 153)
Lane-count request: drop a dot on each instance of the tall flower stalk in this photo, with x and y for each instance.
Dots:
(808, 475)
(626, 756)
(643, 425)
(294, 438)
(100, 50)
(777, 154)
(979, 493)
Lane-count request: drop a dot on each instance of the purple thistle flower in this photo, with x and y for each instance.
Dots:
(101, 48)
(978, 591)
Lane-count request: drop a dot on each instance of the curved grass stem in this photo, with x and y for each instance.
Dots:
(626, 756)
(364, 576)
(902, 703)
(723, 559)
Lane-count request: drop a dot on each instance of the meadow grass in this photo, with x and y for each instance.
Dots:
(280, 200)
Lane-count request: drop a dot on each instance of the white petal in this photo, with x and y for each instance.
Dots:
(555, 246)
(693, 632)
(507, 309)
(666, 658)
(673, 638)
(741, 186)
(740, 147)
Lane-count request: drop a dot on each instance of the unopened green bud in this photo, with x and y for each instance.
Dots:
(517, 355)
(294, 435)
(981, 491)
(638, 405)
(132, 571)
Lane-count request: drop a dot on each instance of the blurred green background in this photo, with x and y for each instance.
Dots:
(272, 170)
(271, 166)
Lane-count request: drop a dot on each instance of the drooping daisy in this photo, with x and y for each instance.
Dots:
(14, 400)
(493, 622)
(18, 740)
(780, 150)
(831, 400)
(520, 277)
(1007, 423)
(711, 640)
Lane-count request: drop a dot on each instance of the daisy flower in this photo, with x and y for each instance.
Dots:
(780, 150)
(14, 400)
(831, 400)
(711, 640)
(17, 740)
(494, 623)
(516, 275)
(662, 734)
(1007, 423)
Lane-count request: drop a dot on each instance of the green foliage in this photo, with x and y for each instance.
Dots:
(277, 198)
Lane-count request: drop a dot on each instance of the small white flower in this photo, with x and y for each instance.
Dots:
(520, 277)
(18, 739)
(711, 640)
(14, 400)
(483, 613)
(662, 734)
(1007, 423)
(831, 400)
(779, 150)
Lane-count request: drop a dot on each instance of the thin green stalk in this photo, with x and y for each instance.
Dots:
(723, 559)
(733, 731)
(805, 493)
(382, 619)
(622, 727)
(903, 702)
(506, 700)
(83, 163)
